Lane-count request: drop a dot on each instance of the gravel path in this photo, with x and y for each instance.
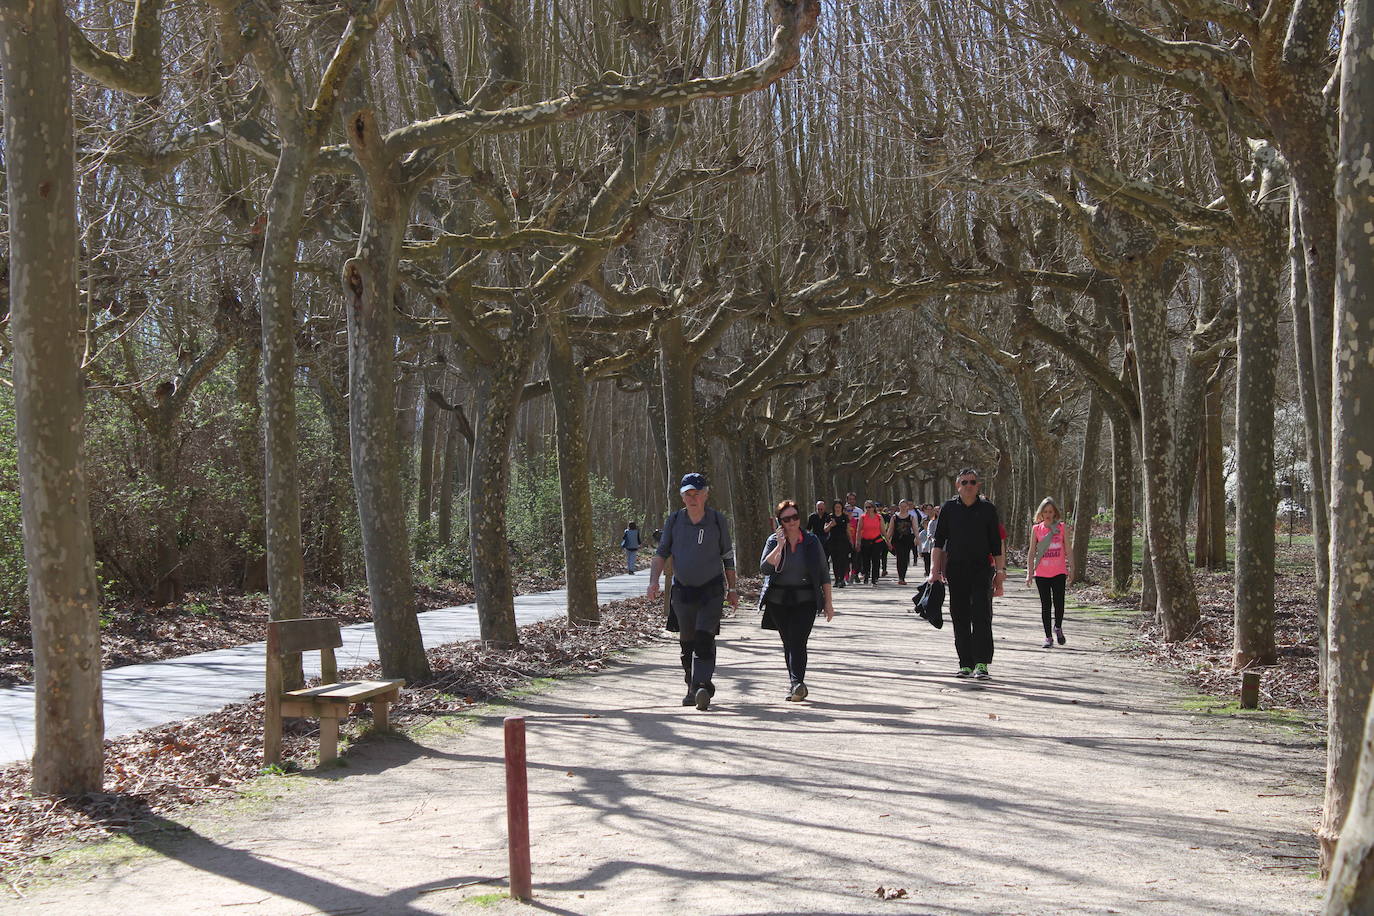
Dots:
(1073, 782)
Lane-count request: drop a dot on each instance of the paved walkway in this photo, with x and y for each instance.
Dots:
(1073, 782)
(142, 696)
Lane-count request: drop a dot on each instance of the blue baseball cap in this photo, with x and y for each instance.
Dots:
(693, 481)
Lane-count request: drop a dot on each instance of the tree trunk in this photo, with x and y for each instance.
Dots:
(684, 453)
(499, 388)
(453, 441)
(248, 442)
(1216, 479)
(571, 434)
(1123, 504)
(1351, 665)
(369, 282)
(1202, 541)
(169, 585)
(429, 433)
(1257, 351)
(1178, 604)
(752, 511)
(46, 327)
(1085, 497)
(1307, 390)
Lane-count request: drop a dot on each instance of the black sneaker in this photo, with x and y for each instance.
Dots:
(703, 699)
(689, 699)
(964, 672)
(980, 671)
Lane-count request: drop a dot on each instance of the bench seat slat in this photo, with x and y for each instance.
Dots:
(345, 691)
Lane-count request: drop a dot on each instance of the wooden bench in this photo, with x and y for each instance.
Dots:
(328, 702)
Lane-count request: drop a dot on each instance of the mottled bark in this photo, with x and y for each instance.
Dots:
(369, 287)
(1307, 392)
(1351, 608)
(45, 324)
(749, 498)
(453, 441)
(677, 371)
(1085, 496)
(429, 435)
(1123, 503)
(1211, 532)
(1257, 356)
(569, 391)
(1178, 605)
(498, 393)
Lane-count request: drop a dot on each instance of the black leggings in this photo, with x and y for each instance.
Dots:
(794, 626)
(925, 560)
(1051, 589)
(870, 558)
(839, 561)
(903, 548)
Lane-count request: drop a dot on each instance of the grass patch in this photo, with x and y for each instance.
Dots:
(493, 899)
(1206, 705)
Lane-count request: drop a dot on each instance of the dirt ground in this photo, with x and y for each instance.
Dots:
(1076, 781)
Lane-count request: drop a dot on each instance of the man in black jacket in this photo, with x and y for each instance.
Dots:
(966, 548)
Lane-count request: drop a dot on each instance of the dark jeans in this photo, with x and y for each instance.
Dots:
(970, 612)
(870, 553)
(904, 550)
(698, 657)
(1051, 590)
(794, 626)
(925, 559)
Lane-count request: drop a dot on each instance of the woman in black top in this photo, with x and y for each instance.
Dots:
(836, 540)
(901, 536)
(796, 584)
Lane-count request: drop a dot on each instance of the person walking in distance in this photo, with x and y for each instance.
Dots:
(931, 513)
(630, 542)
(868, 541)
(796, 583)
(836, 540)
(901, 536)
(1049, 565)
(967, 533)
(697, 539)
(816, 522)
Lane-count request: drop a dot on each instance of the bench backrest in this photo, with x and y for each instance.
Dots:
(289, 637)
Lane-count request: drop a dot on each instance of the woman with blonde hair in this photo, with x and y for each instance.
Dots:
(1048, 563)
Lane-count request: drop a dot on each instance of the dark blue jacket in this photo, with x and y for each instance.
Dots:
(811, 551)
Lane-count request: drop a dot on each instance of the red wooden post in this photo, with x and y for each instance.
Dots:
(517, 809)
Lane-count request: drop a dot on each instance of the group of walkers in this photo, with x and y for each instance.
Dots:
(960, 544)
(858, 540)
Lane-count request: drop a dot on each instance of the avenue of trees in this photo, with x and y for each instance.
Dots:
(302, 291)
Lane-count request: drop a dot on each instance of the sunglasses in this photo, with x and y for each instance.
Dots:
(789, 518)
(968, 483)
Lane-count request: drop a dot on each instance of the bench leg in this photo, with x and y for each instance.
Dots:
(271, 734)
(329, 740)
(380, 722)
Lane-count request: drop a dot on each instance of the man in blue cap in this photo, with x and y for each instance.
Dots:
(697, 539)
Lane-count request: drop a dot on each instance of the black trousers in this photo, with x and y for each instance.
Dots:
(794, 626)
(970, 612)
(925, 559)
(698, 657)
(839, 561)
(870, 558)
(1051, 592)
(904, 548)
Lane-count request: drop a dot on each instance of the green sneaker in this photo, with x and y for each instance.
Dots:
(964, 672)
(980, 671)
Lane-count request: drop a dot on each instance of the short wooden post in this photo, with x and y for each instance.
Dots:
(329, 739)
(1249, 689)
(517, 809)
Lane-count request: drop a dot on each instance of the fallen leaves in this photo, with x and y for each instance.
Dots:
(895, 893)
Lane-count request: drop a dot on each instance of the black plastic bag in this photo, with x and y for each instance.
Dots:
(930, 603)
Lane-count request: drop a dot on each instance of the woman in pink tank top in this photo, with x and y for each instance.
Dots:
(1047, 562)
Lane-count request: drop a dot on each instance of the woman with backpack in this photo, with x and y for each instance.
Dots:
(796, 586)
(1048, 564)
(630, 542)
